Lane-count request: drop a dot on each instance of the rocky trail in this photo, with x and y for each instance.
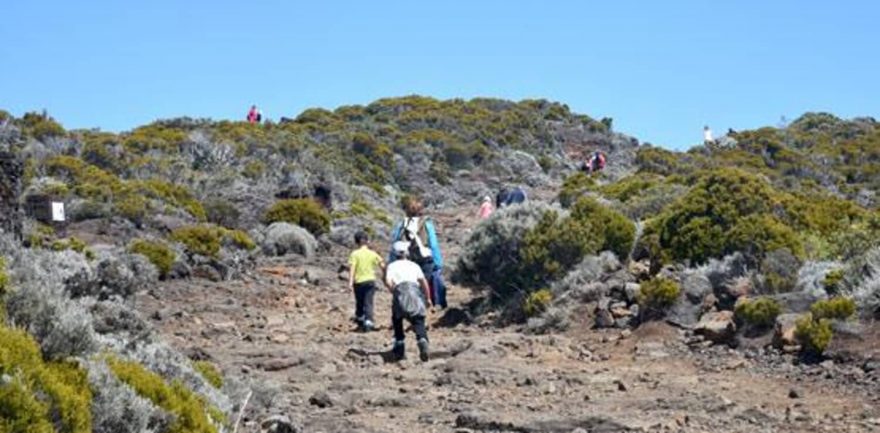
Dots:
(287, 327)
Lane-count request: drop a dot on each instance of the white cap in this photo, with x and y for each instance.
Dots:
(400, 247)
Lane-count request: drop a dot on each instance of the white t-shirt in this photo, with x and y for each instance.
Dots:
(707, 135)
(403, 271)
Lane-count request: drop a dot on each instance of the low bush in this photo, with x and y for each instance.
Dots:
(537, 302)
(833, 281)
(40, 394)
(158, 253)
(838, 308)
(222, 212)
(813, 335)
(41, 126)
(210, 373)
(759, 313)
(554, 246)
(658, 294)
(207, 239)
(573, 187)
(190, 411)
(618, 233)
(305, 213)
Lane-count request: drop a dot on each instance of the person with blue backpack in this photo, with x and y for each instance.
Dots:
(420, 233)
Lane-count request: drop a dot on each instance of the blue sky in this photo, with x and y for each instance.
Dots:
(661, 69)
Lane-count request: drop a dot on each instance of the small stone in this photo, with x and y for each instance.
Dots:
(321, 399)
(620, 385)
(626, 333)
(280, 424)
(793, 393)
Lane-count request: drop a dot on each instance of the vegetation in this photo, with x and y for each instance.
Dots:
(574, 187)
(657, 295)
(306, 213)
(838, 308)
(39, 395)
(192, 414)
(210, 373)
(537, 302)
(759, 313)
(813, 334)
(158, 253)
(207, 239)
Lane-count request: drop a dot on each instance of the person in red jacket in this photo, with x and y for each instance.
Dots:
(254, 115)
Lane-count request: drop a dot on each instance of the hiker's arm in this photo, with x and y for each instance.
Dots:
(424, 283)
(351, 270)
(395, 234)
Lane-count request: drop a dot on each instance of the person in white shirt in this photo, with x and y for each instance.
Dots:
(707, 135)
(409, 289)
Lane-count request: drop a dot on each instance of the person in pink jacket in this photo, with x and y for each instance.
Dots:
(486, 208)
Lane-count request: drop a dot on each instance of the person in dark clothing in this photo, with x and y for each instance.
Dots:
(410, 294)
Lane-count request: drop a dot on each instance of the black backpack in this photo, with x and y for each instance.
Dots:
(415, 250)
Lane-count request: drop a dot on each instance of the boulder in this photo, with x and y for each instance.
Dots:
(718, 326)
(282, 238)
(280, 424)
(783, 331)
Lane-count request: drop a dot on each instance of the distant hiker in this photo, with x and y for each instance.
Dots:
(323, 195)
(507, 197)
(363, 264)
(707, 136)
(486, 208)
(597, 162)
(409, 293)
(254, 115)
(424, 247)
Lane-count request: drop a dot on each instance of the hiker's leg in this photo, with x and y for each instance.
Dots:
(359, 303)
(428, 270)
(397, 326)
(418, 325)
(369, 293)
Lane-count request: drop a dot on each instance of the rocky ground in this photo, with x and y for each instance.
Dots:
(287, 328)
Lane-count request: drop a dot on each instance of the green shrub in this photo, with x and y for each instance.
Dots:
(306, 213)
(727, 210)
(573, 187)
(207, 239)
(190, 411)
(175, 195)
(131, 207)
(545, 162)
(204, 240)
(159, 254)
(813, 335)
(759, 313)
(40, 236)
(4, 277)
(658, 294)
(41, 126)
(537, 302)
(555, 245)
(222, 212)
(838, 308)
(71, 243)
(617, 232)
(240, 239)
(41, 393)
(253, 169)
(833, 281)
(210, 373)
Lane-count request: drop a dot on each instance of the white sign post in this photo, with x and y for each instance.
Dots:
(58, 211)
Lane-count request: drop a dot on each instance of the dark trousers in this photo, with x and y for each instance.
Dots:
(363, 301)
(418, 325)
(428, 269)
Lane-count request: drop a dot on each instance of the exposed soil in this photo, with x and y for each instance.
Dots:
(289, 323)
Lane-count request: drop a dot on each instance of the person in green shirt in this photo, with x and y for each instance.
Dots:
(363, 263)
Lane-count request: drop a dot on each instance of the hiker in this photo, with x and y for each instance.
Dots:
(409, 293)
(597, 162)
(420, 233)
(707, 136)
(508, 197)
(254, 115)
(486, 208)
(363, 264)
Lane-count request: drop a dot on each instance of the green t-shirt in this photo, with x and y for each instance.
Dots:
(364, 261)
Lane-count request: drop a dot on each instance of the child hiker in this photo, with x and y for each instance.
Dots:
(363, 264)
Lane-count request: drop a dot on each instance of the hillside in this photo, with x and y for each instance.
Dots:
(201, 264)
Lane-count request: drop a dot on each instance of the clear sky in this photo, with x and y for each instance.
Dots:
(661, 69)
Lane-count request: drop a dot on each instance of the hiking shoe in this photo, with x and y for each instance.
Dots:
(398, 350)
(368, 326)
(423, 349)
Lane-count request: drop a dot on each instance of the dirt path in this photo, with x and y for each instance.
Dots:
(289, 325)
